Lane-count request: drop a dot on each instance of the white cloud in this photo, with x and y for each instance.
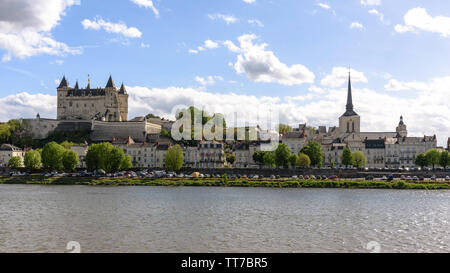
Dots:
(256, 22)
(339, 76)
(25, 28)
(419, 19)
(144, 45)
(249, 1)
(356, 25)
(210, 80)
(323, 5)
(193, 51)
(147, 4)
(211, 44)
(25, 105)
(378, 14)
(229, 19)
(208, 44)
(119, 28)
(370, 2)
(261, 65)
(394, 85)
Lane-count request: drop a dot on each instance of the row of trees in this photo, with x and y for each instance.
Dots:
(310, 155)
(52, 157)
(107, 157)
(356, 159)
(432, 158)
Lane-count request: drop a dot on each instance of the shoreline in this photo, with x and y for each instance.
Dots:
(248, 183)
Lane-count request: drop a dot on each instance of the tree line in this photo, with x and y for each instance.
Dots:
(432, 158)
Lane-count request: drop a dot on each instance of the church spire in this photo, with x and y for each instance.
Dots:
(349, 106)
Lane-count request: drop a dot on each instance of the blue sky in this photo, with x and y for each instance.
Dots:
(290, 54)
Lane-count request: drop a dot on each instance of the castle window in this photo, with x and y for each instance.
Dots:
(348, 126)
(70, 104)
(353, 126)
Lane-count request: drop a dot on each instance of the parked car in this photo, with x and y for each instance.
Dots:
(370, 177)
(333, 177)
(447, 178)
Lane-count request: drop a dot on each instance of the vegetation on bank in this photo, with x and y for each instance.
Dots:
(224, 182)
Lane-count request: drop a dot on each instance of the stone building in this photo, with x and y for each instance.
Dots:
(106, 104)
(8, 151)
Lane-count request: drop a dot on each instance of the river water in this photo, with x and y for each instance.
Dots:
(163, 219)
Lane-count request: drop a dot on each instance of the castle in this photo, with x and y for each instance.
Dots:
(106, 104)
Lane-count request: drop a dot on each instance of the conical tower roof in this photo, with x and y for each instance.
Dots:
(110, 83)
(122, 90)
(349, 106)
(64, 83)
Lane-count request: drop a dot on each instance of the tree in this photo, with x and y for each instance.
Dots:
(52, 155)
(269, 159)
(258, 157)
(293, 160)
(126, 163)
(444, 159)
(359, 159)
(174, 158)
(70, 160)
(314, 151)
(15, 162)
(67, 145)
(283, 128)
(33, 160)
(303, 160)
(106, 157)
(231, 158)
(282, 154)
(347, 157)
(433, 156)
(421, 160)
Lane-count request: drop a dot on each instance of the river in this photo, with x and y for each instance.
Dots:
(189, 219)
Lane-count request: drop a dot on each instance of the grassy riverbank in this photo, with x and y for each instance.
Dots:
(288, 183)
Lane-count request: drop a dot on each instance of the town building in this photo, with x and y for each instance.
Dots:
(7, 151)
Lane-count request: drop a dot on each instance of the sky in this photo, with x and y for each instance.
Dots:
(227, 56)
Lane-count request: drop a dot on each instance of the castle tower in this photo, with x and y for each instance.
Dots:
(350, 121)
(401, 128)
(62, 92)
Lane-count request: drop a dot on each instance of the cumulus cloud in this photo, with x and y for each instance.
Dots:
(378, 14)
(25, 28)
(323, 5)
(370, 2)
(261, 65)
(356, 25)
(208, 44)
(210, 80)
(118, 28)
(419, 19)
(229, 19)
(339, 77)
(394, 85)
(147, 4)
(249, 1)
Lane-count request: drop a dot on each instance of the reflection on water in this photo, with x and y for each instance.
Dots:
(159, 219)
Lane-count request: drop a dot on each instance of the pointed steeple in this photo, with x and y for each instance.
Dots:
(76, 86)
(401, 121)
(64, 83)
(349, 106)
(110, 83)
(89, 82)
(122, 89)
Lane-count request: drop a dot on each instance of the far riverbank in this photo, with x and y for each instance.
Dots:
(169, 182)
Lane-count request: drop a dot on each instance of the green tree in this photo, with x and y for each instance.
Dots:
(444, 159)
(284, 128)
(359, 159)
(231, 158)
(421, 160)
(107, 157)
(314, 151)
(282, 154)
(70, 160)
(303, 160)
(433, 156)
(258, 157)
(52, 156)
(33, 160)
(126, 164)
(174, 158)
(293, 160)
(67, 145)
(15, 162)
(269, 159)
(347, 157)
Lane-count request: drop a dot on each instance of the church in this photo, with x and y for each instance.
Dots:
(382, 149)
